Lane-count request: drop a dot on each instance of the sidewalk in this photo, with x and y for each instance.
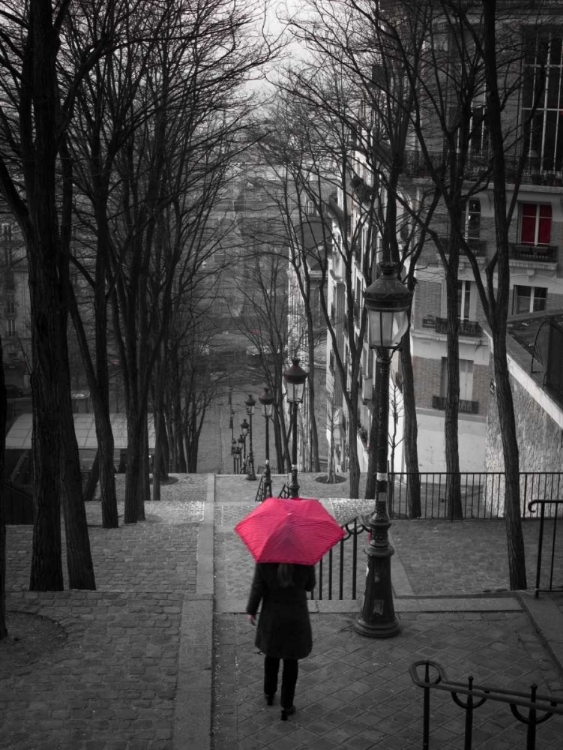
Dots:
(161, 656)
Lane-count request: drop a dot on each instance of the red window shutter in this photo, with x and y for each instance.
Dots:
(544, 232)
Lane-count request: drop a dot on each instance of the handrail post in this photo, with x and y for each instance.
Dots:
(540, 547)
(426, 703)
(531, 734)
(469, 716)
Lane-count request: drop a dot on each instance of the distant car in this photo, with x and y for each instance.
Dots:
(13, 391)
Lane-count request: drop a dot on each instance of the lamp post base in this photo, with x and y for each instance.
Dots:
(267, 480)
(377, 618)
(251, 474)
(294, 485)
(377, 630)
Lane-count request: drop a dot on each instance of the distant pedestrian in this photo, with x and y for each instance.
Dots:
(284, 628)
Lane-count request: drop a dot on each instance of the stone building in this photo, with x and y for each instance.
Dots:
(536, 250)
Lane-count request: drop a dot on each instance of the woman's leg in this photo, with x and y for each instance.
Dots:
(289, 680)
(271, 668)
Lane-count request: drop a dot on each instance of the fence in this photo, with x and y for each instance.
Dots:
(339, 571)
(540, 708)
(553, 507)
(341, 583)
(482, 493)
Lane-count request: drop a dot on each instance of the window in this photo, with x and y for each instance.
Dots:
(535, 223)
(472, 220)
(310, 208)
(463, 299)
(10, 306)
(528, 299)
(465, 379)
(11, 327)
(543, 85)
(479, 134)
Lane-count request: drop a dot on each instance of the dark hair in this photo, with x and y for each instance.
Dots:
(285, 575)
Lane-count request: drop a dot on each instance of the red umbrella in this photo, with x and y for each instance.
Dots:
(295, 530)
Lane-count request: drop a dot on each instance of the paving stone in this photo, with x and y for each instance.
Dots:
(113, 683)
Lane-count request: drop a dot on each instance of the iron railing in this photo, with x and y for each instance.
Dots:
(477, 246)
(467, 407)
(261, 491)
(341, 568)
(540, 708)
(332, 584)
(482, 493)
(553, 514)
(541, 253)
(465, 327)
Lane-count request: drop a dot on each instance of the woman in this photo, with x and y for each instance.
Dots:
(284, 627)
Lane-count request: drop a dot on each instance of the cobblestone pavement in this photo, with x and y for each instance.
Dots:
(132, 669)
(110, 684)
(355, 692)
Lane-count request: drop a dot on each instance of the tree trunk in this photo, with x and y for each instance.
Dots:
(410, 431)
(373, 433)
(164, 464)
(512, 511)
(353, 447)
(92, 483)
(104, 434)
(157, 456)
(451, 423)
(133, 488)
(144, 481)
(79, 557)
(98, 383)
(313, 432)
(3, 416)
(498, 312)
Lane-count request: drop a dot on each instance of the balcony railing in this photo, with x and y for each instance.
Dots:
(478, 247)
(541, 253)
(466, 327)
(468, 407)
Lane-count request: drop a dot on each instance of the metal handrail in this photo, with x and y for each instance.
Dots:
(261, 491)
(352, 530)
(542, 504)
(482, 493)
(477, 695)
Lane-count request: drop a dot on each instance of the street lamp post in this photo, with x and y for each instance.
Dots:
(295, 378)
(242, 441)
(250, 403)
(235, 453)
(267, 401)
(388, 302)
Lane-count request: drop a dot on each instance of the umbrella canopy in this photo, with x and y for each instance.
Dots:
(295, 530)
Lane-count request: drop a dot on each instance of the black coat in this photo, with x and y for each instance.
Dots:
(284, 627)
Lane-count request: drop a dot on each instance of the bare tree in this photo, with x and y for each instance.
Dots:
(38, 94)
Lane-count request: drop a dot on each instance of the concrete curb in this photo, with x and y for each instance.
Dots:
(399, 578)
(193, 704)
(406, 605)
